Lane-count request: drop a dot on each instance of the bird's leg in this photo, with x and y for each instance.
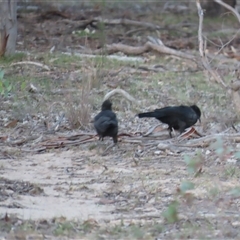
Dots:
(182, 127)
(115, 139)
(170, 131)
(174, 131)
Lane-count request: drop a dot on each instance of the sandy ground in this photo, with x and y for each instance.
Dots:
(79, 185)
(63, 177)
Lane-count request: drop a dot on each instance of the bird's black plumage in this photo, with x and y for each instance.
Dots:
(106, 123)
(177, 117)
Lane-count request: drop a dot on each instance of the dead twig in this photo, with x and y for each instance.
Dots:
(55, 127)
(58, 143)
(37, 150)
(32, 63)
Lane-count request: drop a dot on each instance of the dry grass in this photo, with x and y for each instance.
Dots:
(78, 109)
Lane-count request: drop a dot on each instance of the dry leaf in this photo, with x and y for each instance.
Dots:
(191, 132)
(11, 124)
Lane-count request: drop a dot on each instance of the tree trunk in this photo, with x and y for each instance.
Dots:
(8, 27)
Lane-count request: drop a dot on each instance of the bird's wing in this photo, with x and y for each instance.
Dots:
(104, 120)
(167, 112)
(102, 123)
(182, 112)
(107, 113)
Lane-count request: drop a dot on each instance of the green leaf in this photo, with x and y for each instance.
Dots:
(23, 85)
(186, 185)
(171, 213)
(217, 144)
(187, 159)
(235, 192)
(237, 154)
(192, 164)
(9, 88)
(1, 74)
(220, 150)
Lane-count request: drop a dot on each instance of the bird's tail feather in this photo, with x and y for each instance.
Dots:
(113, 124)
(147, 114)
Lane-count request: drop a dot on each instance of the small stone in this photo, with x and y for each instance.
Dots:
(208, 152)
(157, 152)
(236, 224)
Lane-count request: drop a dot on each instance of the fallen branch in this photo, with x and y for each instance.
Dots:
(76, 139)
(121, 92)
(32, 63)
(59, 143)
(148, 46)
(88, 54)
(23, 140)
(205, 62)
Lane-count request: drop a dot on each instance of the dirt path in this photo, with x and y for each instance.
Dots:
(80, 185)
(68, 183)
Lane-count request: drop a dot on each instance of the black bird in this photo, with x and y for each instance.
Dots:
(177, 117)
(106, 123)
